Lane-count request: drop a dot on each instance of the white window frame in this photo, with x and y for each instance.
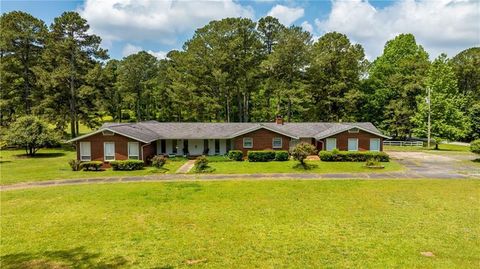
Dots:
(326, 144)
(251, 142)
(88, 157)
(354, 130)
(273, 142)
(104, 151)
(130, 155)
(356, 144)
(379, 145)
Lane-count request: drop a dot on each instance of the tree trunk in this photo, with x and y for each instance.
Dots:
(73, 109)
(436, 145)
(26, 85)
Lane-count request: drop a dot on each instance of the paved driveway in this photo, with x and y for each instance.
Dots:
(443, 165)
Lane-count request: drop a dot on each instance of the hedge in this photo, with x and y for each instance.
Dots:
(353, 156)
(281, 155)
(91, 166)
(260, 155)
(475, 146)
(236, 155)
(127, 165)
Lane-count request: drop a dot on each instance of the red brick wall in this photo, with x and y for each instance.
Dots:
(121, 146)
(149, 151)
(262, 139)
(363, 140)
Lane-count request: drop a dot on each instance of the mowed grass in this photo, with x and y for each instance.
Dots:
(51, 164)
(244, 224)
(441, 148)
(320, 167)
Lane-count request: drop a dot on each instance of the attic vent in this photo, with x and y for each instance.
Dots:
(107, 132)
(353, 131)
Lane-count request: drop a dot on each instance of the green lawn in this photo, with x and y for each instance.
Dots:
(246, 167)
(441, 148)
(51, 164)
(244, 224)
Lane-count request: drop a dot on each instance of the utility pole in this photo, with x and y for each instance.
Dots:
(429, 113)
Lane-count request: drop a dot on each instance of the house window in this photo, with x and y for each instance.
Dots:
(85, 151)
(353, 131)
(277, 143)
(133, 152)
(217, 146)
(174, 146)
(229, 145)
(374, 144)
(331, 143)
(353, 144)
(247, 142)
(109, 151)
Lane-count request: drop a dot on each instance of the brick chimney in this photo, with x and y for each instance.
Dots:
(279, 119)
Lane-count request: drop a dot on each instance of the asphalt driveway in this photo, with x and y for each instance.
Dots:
(444, 165)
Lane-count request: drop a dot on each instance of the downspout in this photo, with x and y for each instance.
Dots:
(141, 150)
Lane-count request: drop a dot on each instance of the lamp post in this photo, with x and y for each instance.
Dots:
(429, 113)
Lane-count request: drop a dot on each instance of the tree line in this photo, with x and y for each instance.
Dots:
(234, 70)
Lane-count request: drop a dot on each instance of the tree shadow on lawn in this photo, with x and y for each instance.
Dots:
(41, 155)
(73, 258)
(305, 166)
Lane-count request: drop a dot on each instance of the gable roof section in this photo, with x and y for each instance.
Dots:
(130, 130)
(339, 128)
(150, 131)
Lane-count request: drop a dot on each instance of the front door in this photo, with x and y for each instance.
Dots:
(195, 147)
(319, 145)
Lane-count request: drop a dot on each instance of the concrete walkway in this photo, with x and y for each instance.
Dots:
(186, 167)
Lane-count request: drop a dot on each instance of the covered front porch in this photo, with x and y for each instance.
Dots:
(193, 147)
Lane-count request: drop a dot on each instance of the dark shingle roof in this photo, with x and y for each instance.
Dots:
(149, 131)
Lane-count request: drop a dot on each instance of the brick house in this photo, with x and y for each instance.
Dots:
(141, 141)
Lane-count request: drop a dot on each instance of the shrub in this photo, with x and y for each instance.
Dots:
(159, 161)
(301, 151)
(475, 146)
(127, 165)
(260, 155)
(353, 156)
(91, 166)
(201, 165)
(74, 164)
(236, 155)
(281, 155)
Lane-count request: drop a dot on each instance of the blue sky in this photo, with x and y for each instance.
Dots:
(127, 26)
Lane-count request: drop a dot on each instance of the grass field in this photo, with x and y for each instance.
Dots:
(244, 224)
(441, 148)
(246, 167)
(53, 164)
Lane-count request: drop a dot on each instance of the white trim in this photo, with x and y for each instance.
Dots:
(89, 149)
(379, 144)
(138, 150)
(255, 128)
(326, 143)
(101, 130)
(353, 130)
(104, 151)
(350, 127)
(244, 142)
(105, 133)
(273, 143)
(348, 143)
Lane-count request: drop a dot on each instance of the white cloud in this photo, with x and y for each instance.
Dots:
(440, 26)
(286, 15)
(307, 26)
(129, 49)
(154, 20)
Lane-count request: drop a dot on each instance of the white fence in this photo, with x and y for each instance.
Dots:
(403, 143)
